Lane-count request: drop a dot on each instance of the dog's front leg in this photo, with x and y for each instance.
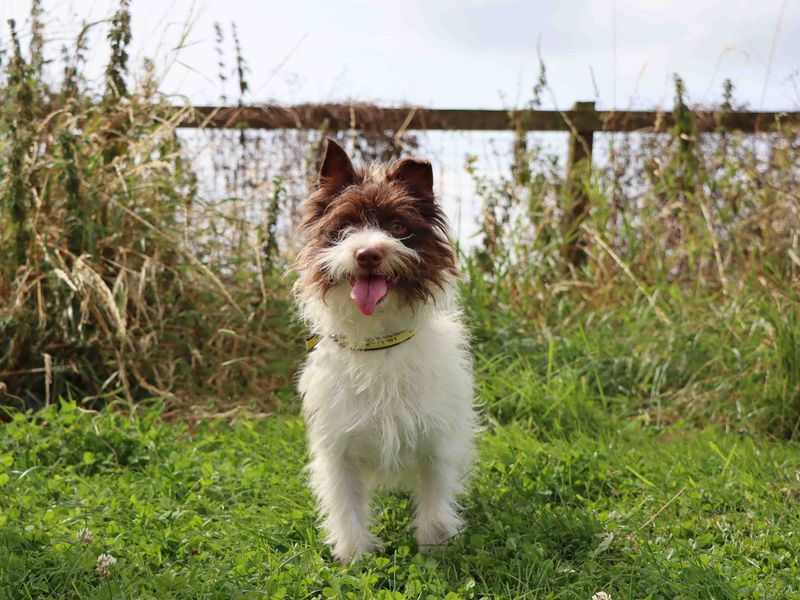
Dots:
(437, 518)
(342, 493)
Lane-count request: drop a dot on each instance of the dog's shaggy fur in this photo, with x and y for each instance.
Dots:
(377, 260)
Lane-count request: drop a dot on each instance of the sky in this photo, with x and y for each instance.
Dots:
(459, 54)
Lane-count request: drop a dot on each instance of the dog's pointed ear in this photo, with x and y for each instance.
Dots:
(417, 174)
(337, 171)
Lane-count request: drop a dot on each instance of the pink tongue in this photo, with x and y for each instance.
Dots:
(367, 292)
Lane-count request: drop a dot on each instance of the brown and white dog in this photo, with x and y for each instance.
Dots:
(387, 390)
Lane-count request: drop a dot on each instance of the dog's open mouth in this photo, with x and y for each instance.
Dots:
(368, 291)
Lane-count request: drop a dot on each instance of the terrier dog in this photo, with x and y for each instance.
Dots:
(387, 388)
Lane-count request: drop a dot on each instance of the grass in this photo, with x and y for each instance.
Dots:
(585, 501)
(731, 361)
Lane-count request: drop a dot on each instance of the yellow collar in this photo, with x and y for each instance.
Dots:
(374, 343)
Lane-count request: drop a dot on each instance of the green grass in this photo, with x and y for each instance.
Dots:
(222, 512)
(729, 360)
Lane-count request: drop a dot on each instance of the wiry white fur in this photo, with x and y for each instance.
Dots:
(402, 415)
(339, 260)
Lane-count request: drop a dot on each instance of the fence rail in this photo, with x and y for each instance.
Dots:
(582, 118)
(581, 122)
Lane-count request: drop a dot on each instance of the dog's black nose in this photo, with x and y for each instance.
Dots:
(369, 258)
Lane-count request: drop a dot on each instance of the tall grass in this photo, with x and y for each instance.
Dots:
(101, 295)
(130, 268)
(687, 302)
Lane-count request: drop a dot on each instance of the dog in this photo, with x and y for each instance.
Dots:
(387, 388)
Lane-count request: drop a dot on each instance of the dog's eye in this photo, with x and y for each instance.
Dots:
(398, 229)
(341, 231)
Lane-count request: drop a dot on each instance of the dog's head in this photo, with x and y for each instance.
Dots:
(375, 232)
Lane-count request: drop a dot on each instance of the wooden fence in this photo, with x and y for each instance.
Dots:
(581, 122)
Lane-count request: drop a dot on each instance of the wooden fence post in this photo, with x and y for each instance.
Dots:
(579, 166)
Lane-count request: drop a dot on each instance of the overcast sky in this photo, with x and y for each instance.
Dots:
(463, 53)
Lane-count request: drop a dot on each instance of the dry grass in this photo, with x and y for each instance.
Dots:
(103, 292)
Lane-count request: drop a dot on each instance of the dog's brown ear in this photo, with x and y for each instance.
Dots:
(337, 171)
(417, 174)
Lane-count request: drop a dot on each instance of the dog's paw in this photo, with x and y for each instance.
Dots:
(350, 551)
(434, 535)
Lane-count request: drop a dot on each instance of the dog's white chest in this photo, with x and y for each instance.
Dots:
(383, 408)
(380, 415)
